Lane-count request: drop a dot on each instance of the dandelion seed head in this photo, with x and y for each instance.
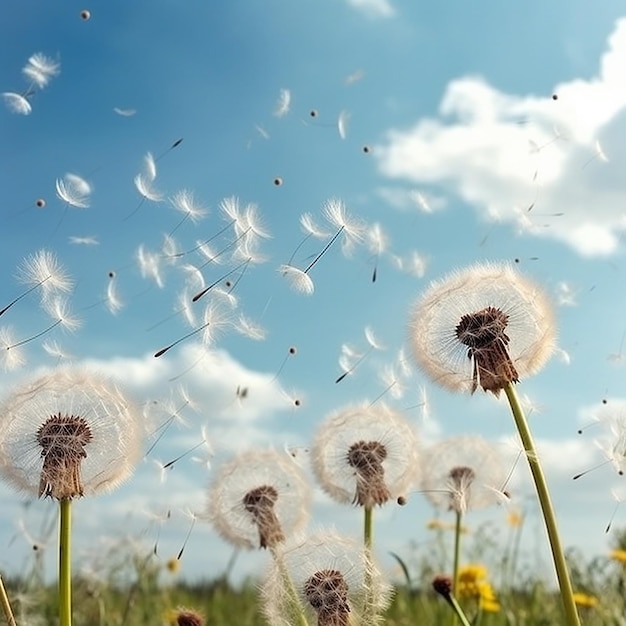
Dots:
(463, 473)
(68, 433)
(328, 572)
(485, 325)
(240, 496)
(365, 455)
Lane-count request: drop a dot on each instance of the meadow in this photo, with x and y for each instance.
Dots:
(301, 333)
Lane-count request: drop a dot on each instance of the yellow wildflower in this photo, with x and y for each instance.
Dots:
(583, 599)
(473, 584)
(514, 519)
(619, 555)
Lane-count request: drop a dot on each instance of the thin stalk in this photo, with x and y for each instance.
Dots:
(368, 538)
(294, 600)
(457, 551)
(457, 556)
(65, 566)
(6, 605)
(562, 573)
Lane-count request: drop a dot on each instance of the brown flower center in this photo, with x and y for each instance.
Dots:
(367, 457)
(62, 439)
(484, 335)
(259, 502)
(327, 593)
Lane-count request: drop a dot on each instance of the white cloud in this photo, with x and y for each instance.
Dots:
(373, 8)
(551, 167)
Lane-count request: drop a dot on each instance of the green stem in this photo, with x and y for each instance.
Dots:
(294, 601)
(368, 534)
(457, 551)
(457, 556)
(562, 573)
(6, 605)
(452, 601)
(65, 567)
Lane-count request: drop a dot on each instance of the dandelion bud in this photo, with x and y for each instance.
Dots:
(443, 586)
(184, 617)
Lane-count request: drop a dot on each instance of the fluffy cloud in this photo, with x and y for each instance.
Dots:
(551, 167)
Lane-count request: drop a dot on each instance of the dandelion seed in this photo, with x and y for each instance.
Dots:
(342, 124)
(373, 344)
(84, 241)
(366, 149)
(42, 270)
(11, 356)
(278, 181)
(40, 69)
(74, 191)
(16, 103)
(185, 203)
(485, 325)
(298, 279)
(283, 104)
(377, 241)
(85, 15)
(215, 319)
(292, 351)
(258, 499)
(124, 112)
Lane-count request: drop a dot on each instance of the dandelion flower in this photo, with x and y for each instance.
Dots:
(365, 455)
(333, 581)
(463, 473)
(482, 326)
(585, 600)
(258, 499)
(68, 434)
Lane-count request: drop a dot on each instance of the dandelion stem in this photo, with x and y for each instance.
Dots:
(294, 600)
(457, 552)
(65, 568)
(6, 605)
(369, 610)
(543, 494)
(456, 607)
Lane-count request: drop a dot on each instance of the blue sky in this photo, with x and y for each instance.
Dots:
(455, 108)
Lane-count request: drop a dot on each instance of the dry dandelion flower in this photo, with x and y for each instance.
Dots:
(365, 455)
(463, 473)
(333, 580)
(68, 434)
(482, 326)
(258, 498)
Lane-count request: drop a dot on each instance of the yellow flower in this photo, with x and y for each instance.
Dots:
(514, 519)
(582, 599)
(473, 584)
(619, 555)
(487, 600)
